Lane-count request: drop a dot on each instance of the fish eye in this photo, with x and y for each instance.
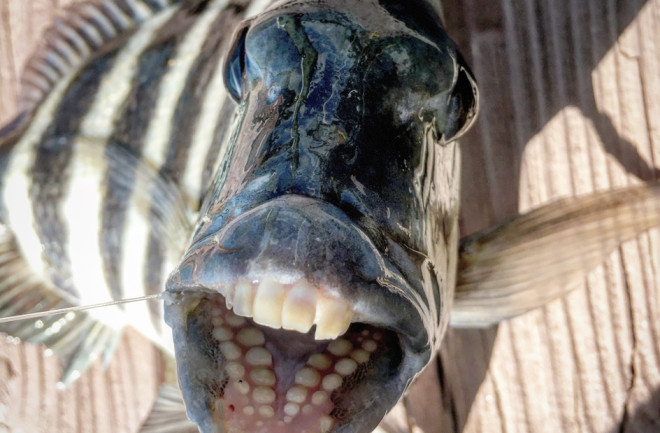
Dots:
(235, 63)
(462, 106)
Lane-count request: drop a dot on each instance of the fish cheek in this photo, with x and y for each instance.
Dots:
(198, 357)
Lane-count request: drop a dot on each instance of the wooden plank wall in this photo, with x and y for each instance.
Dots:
(571, 104)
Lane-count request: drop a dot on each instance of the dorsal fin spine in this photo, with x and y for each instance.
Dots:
(116, 15)
(81, 31)
(95, 16)
(66, 51)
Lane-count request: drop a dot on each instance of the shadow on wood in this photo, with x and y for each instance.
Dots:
(532, 60)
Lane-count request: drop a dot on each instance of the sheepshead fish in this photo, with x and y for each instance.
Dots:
(320, 271)
(305, 231)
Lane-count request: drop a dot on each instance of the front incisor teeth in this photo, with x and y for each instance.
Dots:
(299, 308)
(333, 317)
(268, 302)
(243, 298)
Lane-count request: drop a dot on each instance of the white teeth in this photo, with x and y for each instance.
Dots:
(261, 376)
(243, 298)
(319, 361)
(266, 411)
(250, 337)
(248, 410)
(331, 382)
(360, 356)
(345, 366)
(268, 302)
(231, 351)
(333, 317)
(242, 386)
(307, 377)
(297, 394)
(369, 345)
(299, 308)
(234, 320)
(319, 397)
(263, 395)
(235, 370)
(340, 347)
(222, 334)
(325, 424)
(258, 356)
(291, 409)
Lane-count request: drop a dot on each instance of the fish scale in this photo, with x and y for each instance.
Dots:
(108, 242)
(153, 125)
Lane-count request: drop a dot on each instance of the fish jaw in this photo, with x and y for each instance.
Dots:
(336, 336)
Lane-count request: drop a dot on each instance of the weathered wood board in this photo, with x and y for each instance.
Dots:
(570, 104)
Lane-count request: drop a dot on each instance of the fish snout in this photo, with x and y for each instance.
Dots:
(282, 321)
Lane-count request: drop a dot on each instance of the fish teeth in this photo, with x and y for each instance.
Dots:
(333, 317)
(300, 308)
(295, 307)
(243, 298)
(268, 303)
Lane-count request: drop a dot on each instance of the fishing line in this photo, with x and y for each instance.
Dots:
(40, 314)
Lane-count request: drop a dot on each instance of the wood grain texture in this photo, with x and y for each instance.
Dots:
(570, 105)
(571, 100)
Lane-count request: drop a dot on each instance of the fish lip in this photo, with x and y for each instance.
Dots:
(377, 290)
(363, 421)
(379, 293)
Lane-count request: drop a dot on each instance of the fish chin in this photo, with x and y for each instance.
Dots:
(269, 340)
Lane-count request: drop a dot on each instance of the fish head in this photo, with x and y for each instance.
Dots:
(319, 276)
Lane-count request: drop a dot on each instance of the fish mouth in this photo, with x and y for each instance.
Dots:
(278, 380)
(295, 348)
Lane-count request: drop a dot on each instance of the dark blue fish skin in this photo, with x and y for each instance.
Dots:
(343, 104)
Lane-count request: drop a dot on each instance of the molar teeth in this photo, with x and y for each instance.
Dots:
(296, 394)
(325, 424)
(345, 366)
(268, 302)
(291, 409)
(307, 377)
(333, 317)
(331, 382)
(319, 397)
(319, 361)
(262, 376)
(250, 337)
(299, 308)
(258, 357)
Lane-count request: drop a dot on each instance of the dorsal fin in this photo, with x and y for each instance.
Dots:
(80, 33)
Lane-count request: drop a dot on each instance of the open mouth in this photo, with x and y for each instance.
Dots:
(313, 377)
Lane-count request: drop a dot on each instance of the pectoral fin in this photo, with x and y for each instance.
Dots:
(537, 257)
(76, 338)
(168, 414)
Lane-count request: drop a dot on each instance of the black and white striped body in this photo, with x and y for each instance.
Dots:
(140, 80)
